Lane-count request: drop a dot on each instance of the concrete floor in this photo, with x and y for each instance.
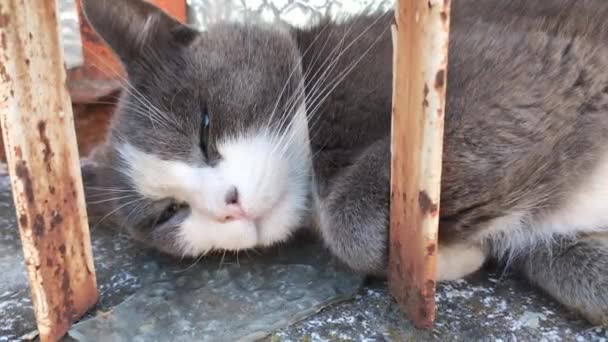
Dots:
(293, 293)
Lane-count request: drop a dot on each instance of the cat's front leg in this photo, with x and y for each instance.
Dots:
(575, 272)
(354, 216)
(354, 220)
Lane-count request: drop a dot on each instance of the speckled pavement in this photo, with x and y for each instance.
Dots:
(272, 295)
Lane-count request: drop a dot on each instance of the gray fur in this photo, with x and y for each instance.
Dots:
(357, 201)
(574, 272)
(526, 121)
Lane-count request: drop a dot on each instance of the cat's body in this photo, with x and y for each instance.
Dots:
(526, 139)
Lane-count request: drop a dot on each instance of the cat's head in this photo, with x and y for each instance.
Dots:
(209, 147)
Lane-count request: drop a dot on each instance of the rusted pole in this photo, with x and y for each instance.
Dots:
(42, 158)
(101, 73)
(420, 39)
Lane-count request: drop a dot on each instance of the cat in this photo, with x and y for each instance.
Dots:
(238, 136)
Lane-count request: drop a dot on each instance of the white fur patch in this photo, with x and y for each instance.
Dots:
(457, 261)
(270, 173)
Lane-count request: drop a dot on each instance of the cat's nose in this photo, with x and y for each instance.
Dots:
(233, 209)
(232, 196)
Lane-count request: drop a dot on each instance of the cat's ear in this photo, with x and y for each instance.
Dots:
(130, 27)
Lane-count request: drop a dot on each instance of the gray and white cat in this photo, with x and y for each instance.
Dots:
(236, 137)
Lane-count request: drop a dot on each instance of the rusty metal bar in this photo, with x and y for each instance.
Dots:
(42, 157)
(420, 39)
(101, 72)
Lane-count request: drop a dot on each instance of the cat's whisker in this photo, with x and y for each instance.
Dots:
(333, 84)
(196, 261)
(222, 260)
(116, 210)
(277, 133)
(160, 64)
(297, 99)
(281, 95)
(295, 68)
(98, 195)
(330, 61)
(154, 114)
(104, 197)
(113, 199)
(246, 251)
(138, 209)
(123, 169)
(290, 105)
(255, 250)
(135, 109)
(108, 189)
(142, 110)
(334, 60)
(319, 53)
(317, 91)
(102, 102)
(319, 151)
(171, 104)
(338, 81)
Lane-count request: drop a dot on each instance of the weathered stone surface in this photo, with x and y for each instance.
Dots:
(209, 302)
(482, 308)
(16, 311)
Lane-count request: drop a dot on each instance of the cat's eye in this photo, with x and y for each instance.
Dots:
(173, 212)
(204, 133)
(168, 213)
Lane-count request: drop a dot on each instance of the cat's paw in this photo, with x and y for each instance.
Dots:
(458, 260)
(354, 215)
(357, 239)
(574, 273)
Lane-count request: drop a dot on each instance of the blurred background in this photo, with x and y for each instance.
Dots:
(202, 12)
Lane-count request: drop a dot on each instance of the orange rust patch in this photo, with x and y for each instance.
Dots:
(440, 79)
(24, 174)
(47, 151)
(430, 249)
(4, 19)
(38, 226)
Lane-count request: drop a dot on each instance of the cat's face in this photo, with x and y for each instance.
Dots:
(209, 146)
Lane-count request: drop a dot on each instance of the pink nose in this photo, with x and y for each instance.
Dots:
(233, 209)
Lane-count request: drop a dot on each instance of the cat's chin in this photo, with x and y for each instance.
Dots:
(198, 234)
